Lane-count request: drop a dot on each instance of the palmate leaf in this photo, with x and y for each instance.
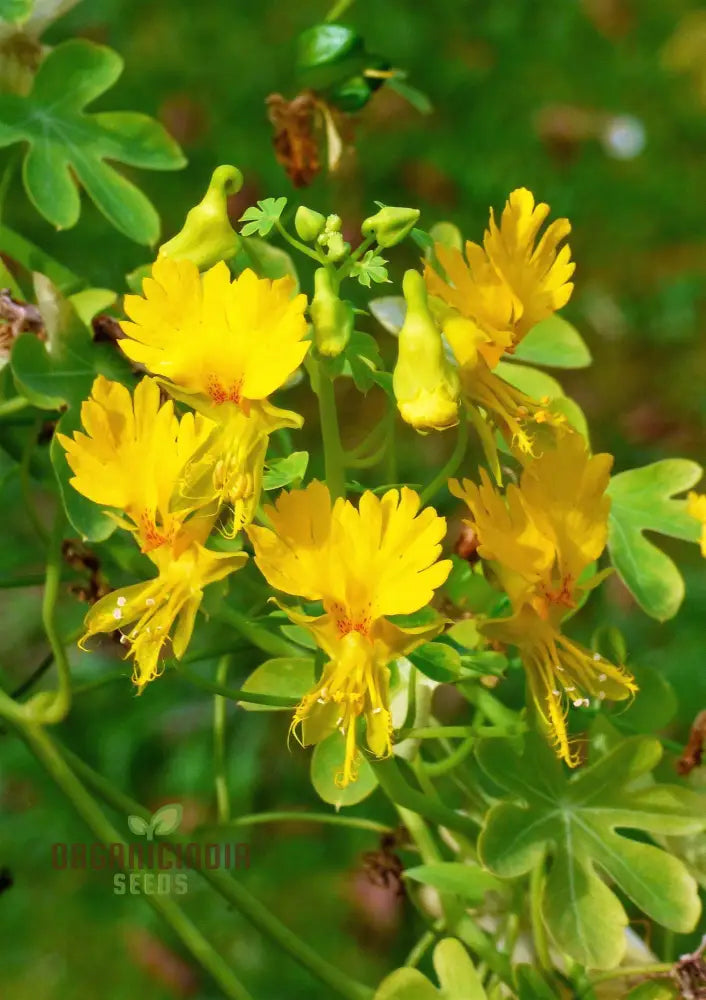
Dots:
(573, 822)
(455, 971)
(66, 144)
(643, 500)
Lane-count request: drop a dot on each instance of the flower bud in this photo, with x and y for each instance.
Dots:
(390, 225)
(331, 317)
(207, 235)
(308, 223)
(426, 384)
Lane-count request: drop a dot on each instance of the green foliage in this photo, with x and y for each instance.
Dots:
(372, 268)
(555, 343)
(456, 973)
(259, 220)
(287, 677)
(468, 881)
(61, 369)
(286, 471)
(327, 763)
(65, 142)
(573, 824)
(643, 500)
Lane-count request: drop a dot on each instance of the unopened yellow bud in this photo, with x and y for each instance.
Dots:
(390, 225)
(426, 384)
(331, 317)
(308, 223)
(207, 235)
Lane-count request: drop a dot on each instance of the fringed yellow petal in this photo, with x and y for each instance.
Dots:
(226, 341)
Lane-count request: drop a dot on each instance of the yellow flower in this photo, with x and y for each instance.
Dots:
(364, 564)
(221, 340)
(509, 284)
(134, 456)
(148, 611)
(696, 507)
(539, 539)
(560, 672)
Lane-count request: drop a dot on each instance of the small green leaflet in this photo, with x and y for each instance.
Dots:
(327, 762)
(261, 219)
(283, 471)
(554, 342)
(574, 823)
(371, 268)
(66, 143)
(643, 500)
(454, 969)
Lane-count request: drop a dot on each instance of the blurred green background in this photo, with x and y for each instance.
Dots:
(600, 108)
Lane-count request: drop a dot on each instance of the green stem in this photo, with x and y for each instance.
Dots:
(258, 636)
(628, 971)
(369, 460)
(339, 9)
(420, 834)
(301, 247)
(236, 894)
(436, 768)
(333, 452)
(44, 750)
(58, 708)
(539, 934)
(300, 816)
(346, 266)
(455, 459)
(219, 744)
(272, 700)
(460, 732)
(13, 405)
(402, 794)
(420, 949)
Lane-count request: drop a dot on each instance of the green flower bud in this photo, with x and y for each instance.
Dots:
(426, 384)
(207, 235)
(332, 318)
(334, 244)
(390, 225)
(308, 223)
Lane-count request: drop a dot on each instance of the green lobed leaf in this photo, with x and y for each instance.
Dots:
(643, 500)
(468, 881)
(454, 969)
(283, 471)
(260, 219)
(32, 258)
(62, 369)
(554, 342)
(574, 822)
(406, 984)
(437, 660)
(66, 145)
(285, 676)
(327, 762)
(457, 975)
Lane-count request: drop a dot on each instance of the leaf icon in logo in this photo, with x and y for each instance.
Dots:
(167, 819)
(138, 825)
